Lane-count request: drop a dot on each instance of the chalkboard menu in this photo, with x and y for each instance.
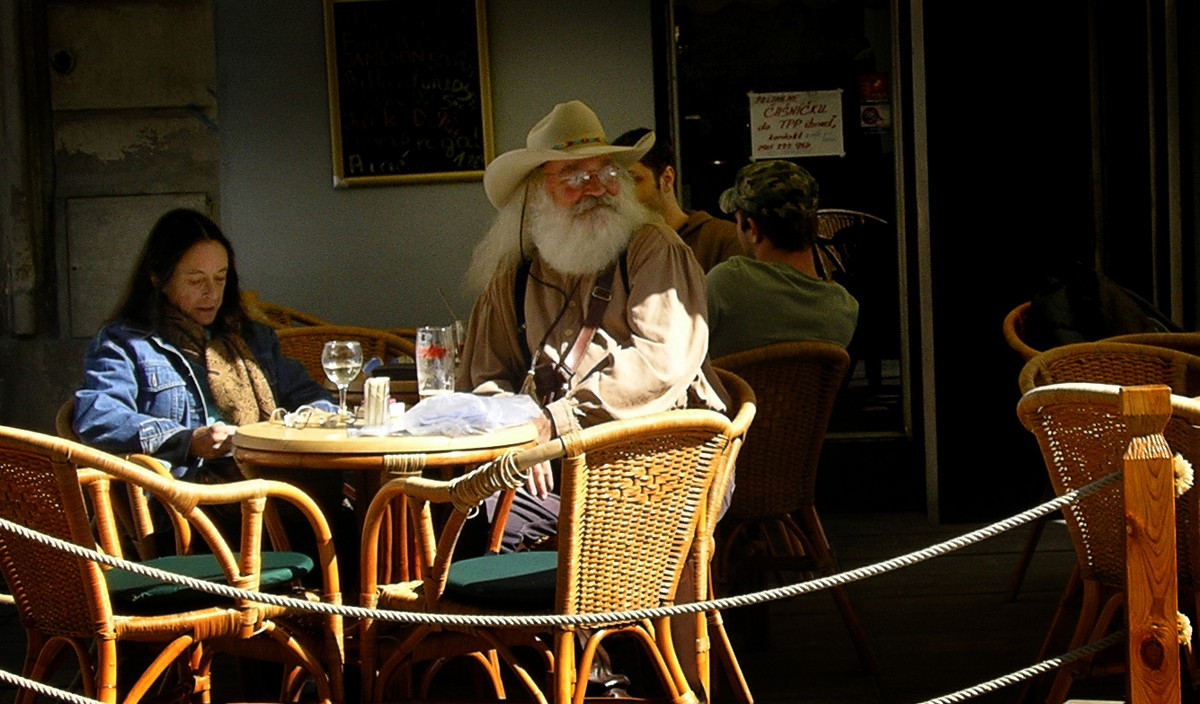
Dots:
(408, 90)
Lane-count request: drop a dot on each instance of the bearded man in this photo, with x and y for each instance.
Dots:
(571, 239)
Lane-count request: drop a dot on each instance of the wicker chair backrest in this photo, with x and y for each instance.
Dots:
(795, 385)
(1082, 436)
(305, 344)
(632, 495)
(1114, 363)
(54, 592)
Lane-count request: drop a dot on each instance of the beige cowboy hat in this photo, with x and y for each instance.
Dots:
(570, 131)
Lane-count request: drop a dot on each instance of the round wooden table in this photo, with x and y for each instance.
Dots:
(270, 444)
(274, 451)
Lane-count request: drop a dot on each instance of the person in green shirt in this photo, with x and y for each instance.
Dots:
(774, 295)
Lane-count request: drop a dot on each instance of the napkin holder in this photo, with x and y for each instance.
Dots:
(376, 402)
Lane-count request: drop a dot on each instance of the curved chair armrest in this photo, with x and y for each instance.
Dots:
(464, 492)
(1013, 329)
(326, 552)
(188, 498)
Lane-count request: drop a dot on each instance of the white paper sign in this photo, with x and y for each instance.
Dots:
(803, 123)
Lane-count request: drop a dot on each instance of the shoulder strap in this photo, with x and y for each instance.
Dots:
(601, 295)
(624, 260)
(519, 282)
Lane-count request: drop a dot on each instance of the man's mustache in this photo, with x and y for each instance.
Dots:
(587, 204)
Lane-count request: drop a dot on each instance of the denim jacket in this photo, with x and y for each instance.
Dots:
(139, 393)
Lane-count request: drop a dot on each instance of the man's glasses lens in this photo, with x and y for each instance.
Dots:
(606, 176)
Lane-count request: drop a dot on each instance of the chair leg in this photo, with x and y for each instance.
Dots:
(710, 635)
(823, 554)
(1072, 592)
(1089, 612)
(1190, 659)
(1036, 528)
(1018, 574)
(729, 661)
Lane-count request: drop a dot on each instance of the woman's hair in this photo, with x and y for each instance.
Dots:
(170, 238)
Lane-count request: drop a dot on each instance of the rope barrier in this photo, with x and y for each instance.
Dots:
(45, 690)
(814, 585)
(952, 698)
(1031, 671)
(842, 578)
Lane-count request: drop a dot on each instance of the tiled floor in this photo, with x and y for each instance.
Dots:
(936, 627)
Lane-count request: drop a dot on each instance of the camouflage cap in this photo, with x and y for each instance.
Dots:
(774, 188)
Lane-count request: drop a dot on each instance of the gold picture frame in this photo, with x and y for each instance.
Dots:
(409, 93)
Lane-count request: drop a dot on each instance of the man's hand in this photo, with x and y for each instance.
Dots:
(211, 441)
(541, 479)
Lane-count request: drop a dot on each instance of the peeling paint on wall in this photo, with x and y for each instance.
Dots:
(124, 138)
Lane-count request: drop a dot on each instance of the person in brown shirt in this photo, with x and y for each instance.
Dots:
(568, 214)
(570, 239)
(713, 240)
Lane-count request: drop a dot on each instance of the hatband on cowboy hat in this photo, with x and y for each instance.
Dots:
(570, 131)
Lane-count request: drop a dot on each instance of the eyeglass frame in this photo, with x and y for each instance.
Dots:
(579, 179)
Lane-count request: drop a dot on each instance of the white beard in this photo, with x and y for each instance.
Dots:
(569, 242)
(587, 237)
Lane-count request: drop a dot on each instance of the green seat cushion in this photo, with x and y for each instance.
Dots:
(146, 594)
(517, 580)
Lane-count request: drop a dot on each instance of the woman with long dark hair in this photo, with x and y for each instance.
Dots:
(181, 364)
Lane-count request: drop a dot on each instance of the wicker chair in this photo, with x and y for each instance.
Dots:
(406, 333)
(1102, 363)
(134, 531)
(1114, 363)
(632, 496)
(795, 384)
(70, 602)
(64, 421)
(1083, 435)
(305, 344)
(1182, 341)
(1014, 334)
(710, 626)
(858, 250)
(1014, 331)
(831, 260)
(276, 315)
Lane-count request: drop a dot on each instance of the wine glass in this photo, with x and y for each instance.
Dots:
(342, 361)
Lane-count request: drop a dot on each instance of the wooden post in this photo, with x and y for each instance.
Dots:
(1150, 573)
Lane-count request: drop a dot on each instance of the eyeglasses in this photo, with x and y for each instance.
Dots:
(578, 180)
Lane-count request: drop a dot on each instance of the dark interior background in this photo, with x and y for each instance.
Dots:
(1044, 149)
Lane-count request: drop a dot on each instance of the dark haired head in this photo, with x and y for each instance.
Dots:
(660, 156)
(170, 238)
(781, 197)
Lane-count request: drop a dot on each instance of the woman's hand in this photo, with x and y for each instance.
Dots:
(211, 441)
(541, 479)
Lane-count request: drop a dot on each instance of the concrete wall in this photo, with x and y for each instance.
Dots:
(127, 110)
(371, 256)
(378, 255)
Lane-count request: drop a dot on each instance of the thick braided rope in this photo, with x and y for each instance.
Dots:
(918, 556)
(1031, 671)
(502, 473)
(880, 568)
(841, 578)
(959, 696)
(44, 690)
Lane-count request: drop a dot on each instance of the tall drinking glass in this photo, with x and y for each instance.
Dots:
(435, 360)
(342, 360)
